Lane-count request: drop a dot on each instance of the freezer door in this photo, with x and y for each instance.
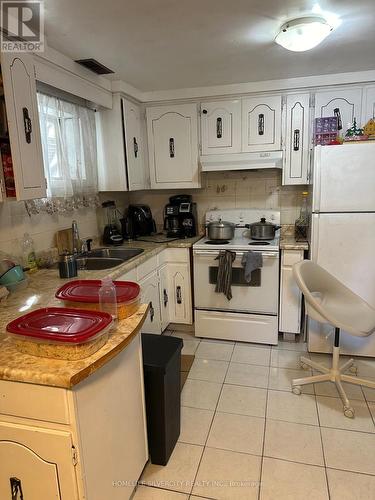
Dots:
(344, 244)
(344, 178)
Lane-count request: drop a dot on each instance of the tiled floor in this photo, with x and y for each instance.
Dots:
(244, 435)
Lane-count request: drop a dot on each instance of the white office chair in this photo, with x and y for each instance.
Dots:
(329, 301)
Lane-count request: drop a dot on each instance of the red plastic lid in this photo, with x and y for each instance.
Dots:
(88, 291)
(61, 324)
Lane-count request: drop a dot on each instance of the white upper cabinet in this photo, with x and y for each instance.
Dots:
(135, 151)
(261, 123)
(343, 103)
(368, 107)
(173, 146)
(297, 142)
(18, 77)
(121, 158)
(221, 127)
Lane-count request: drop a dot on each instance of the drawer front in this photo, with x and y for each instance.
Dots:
(39, 402)
(147, 267)
(291, 257)
(174, 255)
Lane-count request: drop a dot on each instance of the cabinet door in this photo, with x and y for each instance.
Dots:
(164, 296)
(180, 293)
(23, 121)
(368, 108)
(150, 295)
(173, 146)
(221, 127)
(345, 104)
(261, 123)
(290, 294)
(36, 461)
(297, 143)
(135, 160)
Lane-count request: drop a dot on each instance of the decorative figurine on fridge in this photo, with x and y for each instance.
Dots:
(355, 133)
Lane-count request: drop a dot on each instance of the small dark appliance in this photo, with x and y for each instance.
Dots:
(180, 217)
(112, 233)
(138, 222)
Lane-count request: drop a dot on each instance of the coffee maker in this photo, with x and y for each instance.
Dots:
(138, 222)
(180, 216)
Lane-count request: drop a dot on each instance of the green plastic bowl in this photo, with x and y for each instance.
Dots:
(12, 276)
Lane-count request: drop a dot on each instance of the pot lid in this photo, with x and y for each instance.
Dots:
(263, 222)
(220, 223)
(88, 291)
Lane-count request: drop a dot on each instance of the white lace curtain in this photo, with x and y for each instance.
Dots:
(69, 152)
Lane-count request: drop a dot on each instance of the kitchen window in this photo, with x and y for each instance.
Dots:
(68, 137)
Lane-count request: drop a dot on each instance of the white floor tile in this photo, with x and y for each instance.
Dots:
(348, 450)
(281, 358)
(291, 408)
(249, 375)
(294, 442)
(195, 424)
(217, 341)
(291, 346)
(281, 379)
(369, 393)
(148, 493)
(331, 415)
(366, 368)
(226, 475)
(209, 370)
(214, 350)
(237, 433)
(291, 481)
(329, 389)
(324, 359)
(180, 471)
(252, 355)
(185, 335)
(371, 405)
(190, 346)
(200, 394)
(350, 486)
(243, 400)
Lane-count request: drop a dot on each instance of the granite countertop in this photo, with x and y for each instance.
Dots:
(288, 241)
(40, 292)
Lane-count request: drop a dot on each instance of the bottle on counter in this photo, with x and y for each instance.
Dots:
(303, 221)
(108, 298)
(28, 254)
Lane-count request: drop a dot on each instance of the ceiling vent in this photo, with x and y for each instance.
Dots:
(95, 66)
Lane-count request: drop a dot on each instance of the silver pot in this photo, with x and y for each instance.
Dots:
(220, 230)
(263, 230)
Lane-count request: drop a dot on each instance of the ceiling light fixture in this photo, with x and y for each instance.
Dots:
(303, 33)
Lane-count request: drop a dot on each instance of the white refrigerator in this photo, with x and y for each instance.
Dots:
(343, 232)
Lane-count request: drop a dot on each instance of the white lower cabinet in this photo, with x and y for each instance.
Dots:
(98, 452)
(290, 295)
(150, 294)
(180, 293)
(165, 296)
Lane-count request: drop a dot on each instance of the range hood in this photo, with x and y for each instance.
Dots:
(242, 161)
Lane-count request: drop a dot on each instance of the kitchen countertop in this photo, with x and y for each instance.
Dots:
(41, 293)
(288, 241)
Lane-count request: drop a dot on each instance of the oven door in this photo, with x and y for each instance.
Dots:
(258, 296)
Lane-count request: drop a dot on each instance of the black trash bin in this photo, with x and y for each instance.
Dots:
(161, 367)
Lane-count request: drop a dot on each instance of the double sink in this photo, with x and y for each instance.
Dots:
(106, 258)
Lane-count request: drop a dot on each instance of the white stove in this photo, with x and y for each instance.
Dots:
(252, 313)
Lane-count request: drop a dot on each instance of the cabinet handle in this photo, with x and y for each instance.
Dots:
(152, 312)
(135, 146)
(296, 140)
(16, 488)
(261, 124)
(205, 111)
(178, 295)
(27, 124)
(337, 113)
(219, 128)
(165, 295)
(171, 147)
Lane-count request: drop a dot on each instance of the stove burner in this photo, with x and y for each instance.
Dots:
(216, 242)
(259, 243)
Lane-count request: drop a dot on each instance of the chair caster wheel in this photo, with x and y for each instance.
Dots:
(348, 412)
(304, 366)
(354, 370)
(297, 390)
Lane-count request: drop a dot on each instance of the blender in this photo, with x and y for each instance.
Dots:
(112, 233)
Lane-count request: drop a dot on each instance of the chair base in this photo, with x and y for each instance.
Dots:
(335, 374)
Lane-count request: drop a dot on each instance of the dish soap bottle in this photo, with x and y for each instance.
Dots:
(28, 253)
(108, 298)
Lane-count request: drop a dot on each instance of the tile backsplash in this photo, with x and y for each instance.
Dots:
(15, 221)
(241, 189)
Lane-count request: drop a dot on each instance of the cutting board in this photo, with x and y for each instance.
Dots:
(64, 240)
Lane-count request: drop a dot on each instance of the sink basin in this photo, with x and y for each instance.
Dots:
(97, 263)
(117, 253)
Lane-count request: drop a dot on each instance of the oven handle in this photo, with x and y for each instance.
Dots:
(274, 255)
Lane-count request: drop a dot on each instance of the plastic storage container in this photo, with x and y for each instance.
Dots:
(60, 333)
(161, 368)
(84, 294)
